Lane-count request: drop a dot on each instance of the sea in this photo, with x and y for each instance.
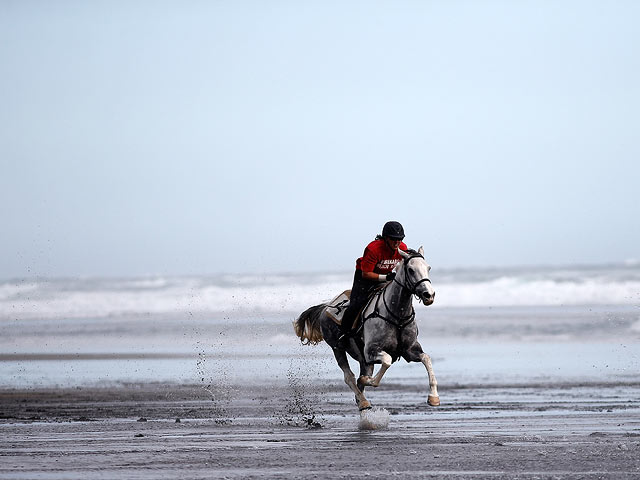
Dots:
(486, 326)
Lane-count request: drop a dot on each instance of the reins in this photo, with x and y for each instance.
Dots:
(400, 322)
(404, 321)
(412, 288)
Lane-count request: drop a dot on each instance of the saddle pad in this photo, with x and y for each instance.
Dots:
(337, 306)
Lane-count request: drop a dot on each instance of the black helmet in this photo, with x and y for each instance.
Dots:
(393, 230)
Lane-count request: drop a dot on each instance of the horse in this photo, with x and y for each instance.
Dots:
(387, 329)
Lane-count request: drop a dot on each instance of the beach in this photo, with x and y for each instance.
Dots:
(179, 431)
(203, 378)
(180, 181)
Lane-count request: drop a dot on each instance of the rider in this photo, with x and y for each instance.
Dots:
(375, 266)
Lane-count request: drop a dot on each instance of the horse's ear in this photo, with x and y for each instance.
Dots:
(403, 254)
(421, 251)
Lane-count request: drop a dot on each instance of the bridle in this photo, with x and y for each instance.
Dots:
(407, 285)
(398, 321)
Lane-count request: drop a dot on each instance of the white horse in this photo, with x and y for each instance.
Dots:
(387, 330)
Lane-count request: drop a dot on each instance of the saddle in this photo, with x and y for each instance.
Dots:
(336, 307)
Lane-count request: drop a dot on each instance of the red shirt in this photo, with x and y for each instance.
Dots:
(379, 258)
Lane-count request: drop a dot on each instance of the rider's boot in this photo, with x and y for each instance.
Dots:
(344, 336)
(348, 318)
(345, 333)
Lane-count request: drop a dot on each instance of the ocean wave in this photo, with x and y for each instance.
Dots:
(12, 290)
(45, 301)
(275, 294)
(508, 291)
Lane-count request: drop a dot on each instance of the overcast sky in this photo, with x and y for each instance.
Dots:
(201, 137)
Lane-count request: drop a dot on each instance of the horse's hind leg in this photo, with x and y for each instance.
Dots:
(366, 370)
(433, 399)
(350, 379)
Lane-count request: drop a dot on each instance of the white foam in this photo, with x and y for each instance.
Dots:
(290, 294)
(54, 301)
(375, 418)
(513, 291)
(11, 290)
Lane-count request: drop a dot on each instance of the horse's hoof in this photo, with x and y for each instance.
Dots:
(433, 400)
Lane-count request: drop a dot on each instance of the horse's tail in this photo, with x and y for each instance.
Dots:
(307, 325)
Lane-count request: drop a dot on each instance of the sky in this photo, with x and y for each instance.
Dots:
(209, 137)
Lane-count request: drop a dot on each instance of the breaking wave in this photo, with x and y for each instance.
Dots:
(286, 293)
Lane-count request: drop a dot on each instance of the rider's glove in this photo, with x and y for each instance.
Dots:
(391, 276)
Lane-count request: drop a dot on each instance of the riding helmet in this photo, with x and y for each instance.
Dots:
(393, 230)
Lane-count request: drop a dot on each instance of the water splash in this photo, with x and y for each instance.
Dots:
(374, 419)
(299, 409)
(214, 379)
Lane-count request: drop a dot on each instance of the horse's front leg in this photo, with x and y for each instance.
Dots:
(385, 362)
(350, 378)
(433, 399)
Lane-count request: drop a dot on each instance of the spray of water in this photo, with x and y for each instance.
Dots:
(300, 409)
(374, 419)
(214, 379)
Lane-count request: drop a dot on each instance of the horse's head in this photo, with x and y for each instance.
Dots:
(413, 274)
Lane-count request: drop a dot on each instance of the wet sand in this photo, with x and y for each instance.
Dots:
(304, 429)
